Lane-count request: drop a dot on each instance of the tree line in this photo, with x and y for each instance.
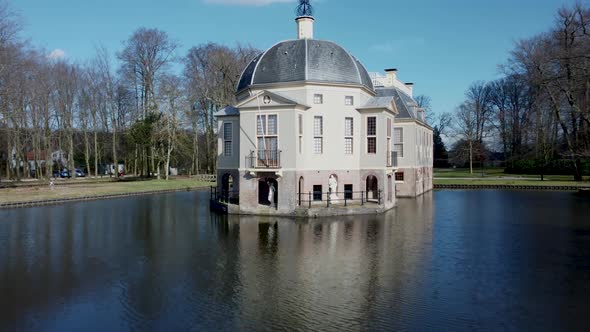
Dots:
(536, 117)
(146, 107)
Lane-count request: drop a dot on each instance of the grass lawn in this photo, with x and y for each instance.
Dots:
(520, 182)
(496, 173)
(27, 194)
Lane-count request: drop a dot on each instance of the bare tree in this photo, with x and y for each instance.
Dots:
(558, 65)
(472, 118)
(512, 101)
(212, 72)
(173, 102)
(466, 129)
(146, 54)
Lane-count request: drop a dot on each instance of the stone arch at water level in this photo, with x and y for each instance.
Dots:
(372, 187)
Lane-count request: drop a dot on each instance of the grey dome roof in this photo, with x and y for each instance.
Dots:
(305, 60)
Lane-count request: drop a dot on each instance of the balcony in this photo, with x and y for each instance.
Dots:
(264, 159)
(392, 159)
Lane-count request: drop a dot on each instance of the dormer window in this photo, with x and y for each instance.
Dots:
(318, 98)
(349, 100)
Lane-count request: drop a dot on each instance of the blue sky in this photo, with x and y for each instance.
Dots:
(441, 46)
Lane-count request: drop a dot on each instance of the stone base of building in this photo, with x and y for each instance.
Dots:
(307, 193)
(417, 181)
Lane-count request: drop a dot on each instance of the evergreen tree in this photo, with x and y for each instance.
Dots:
(441, 155)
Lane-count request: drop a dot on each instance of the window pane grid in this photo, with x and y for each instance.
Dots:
(318, 99)
(318, 143)
(349, 100)
(272, 125)
(227, 131)
(261, 125)
(348, 127)
(399, 150)
(398, 135)
(371, 126)
(227, 148)
(267, 132)
(318, 126)
(348, 145)
(372, 145)
(227, 139)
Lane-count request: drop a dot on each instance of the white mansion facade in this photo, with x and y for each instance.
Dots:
(312, 130)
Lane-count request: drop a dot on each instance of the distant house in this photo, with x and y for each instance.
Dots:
(58, 157)
(109, 169)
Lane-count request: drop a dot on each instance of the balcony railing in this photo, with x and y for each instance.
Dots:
(392, 159)
(264, 159)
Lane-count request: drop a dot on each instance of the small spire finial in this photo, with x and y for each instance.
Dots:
(304, 8)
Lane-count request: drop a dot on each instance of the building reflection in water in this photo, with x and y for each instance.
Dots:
(330, 273)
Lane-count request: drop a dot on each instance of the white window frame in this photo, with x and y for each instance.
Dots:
(349, 100)
(349, 135)
(318, 98)
(264, 133)
(318, 136)
(400, 143)
(373, 136)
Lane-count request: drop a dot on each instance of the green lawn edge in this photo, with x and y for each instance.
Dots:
(39, 194)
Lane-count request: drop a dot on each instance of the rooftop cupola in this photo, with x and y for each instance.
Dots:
(304, 20)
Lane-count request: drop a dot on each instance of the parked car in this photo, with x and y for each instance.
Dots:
(79, 173)
(65, 174)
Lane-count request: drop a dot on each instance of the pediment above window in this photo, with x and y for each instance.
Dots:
(267, 99)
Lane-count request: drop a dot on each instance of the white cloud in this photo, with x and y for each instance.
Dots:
(246, 2)
(57, 54)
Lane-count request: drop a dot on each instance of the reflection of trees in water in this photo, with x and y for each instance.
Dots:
(161, 256)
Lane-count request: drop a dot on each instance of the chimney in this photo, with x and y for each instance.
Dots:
(305, 27)
(410, 87)
(391, 76)
(421, 113)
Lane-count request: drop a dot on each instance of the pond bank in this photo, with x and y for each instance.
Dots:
(510, 186)
(27, 197)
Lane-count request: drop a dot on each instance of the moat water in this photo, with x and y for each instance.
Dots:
(450, 260)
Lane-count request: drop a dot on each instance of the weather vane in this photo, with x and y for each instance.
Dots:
(304, 8)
